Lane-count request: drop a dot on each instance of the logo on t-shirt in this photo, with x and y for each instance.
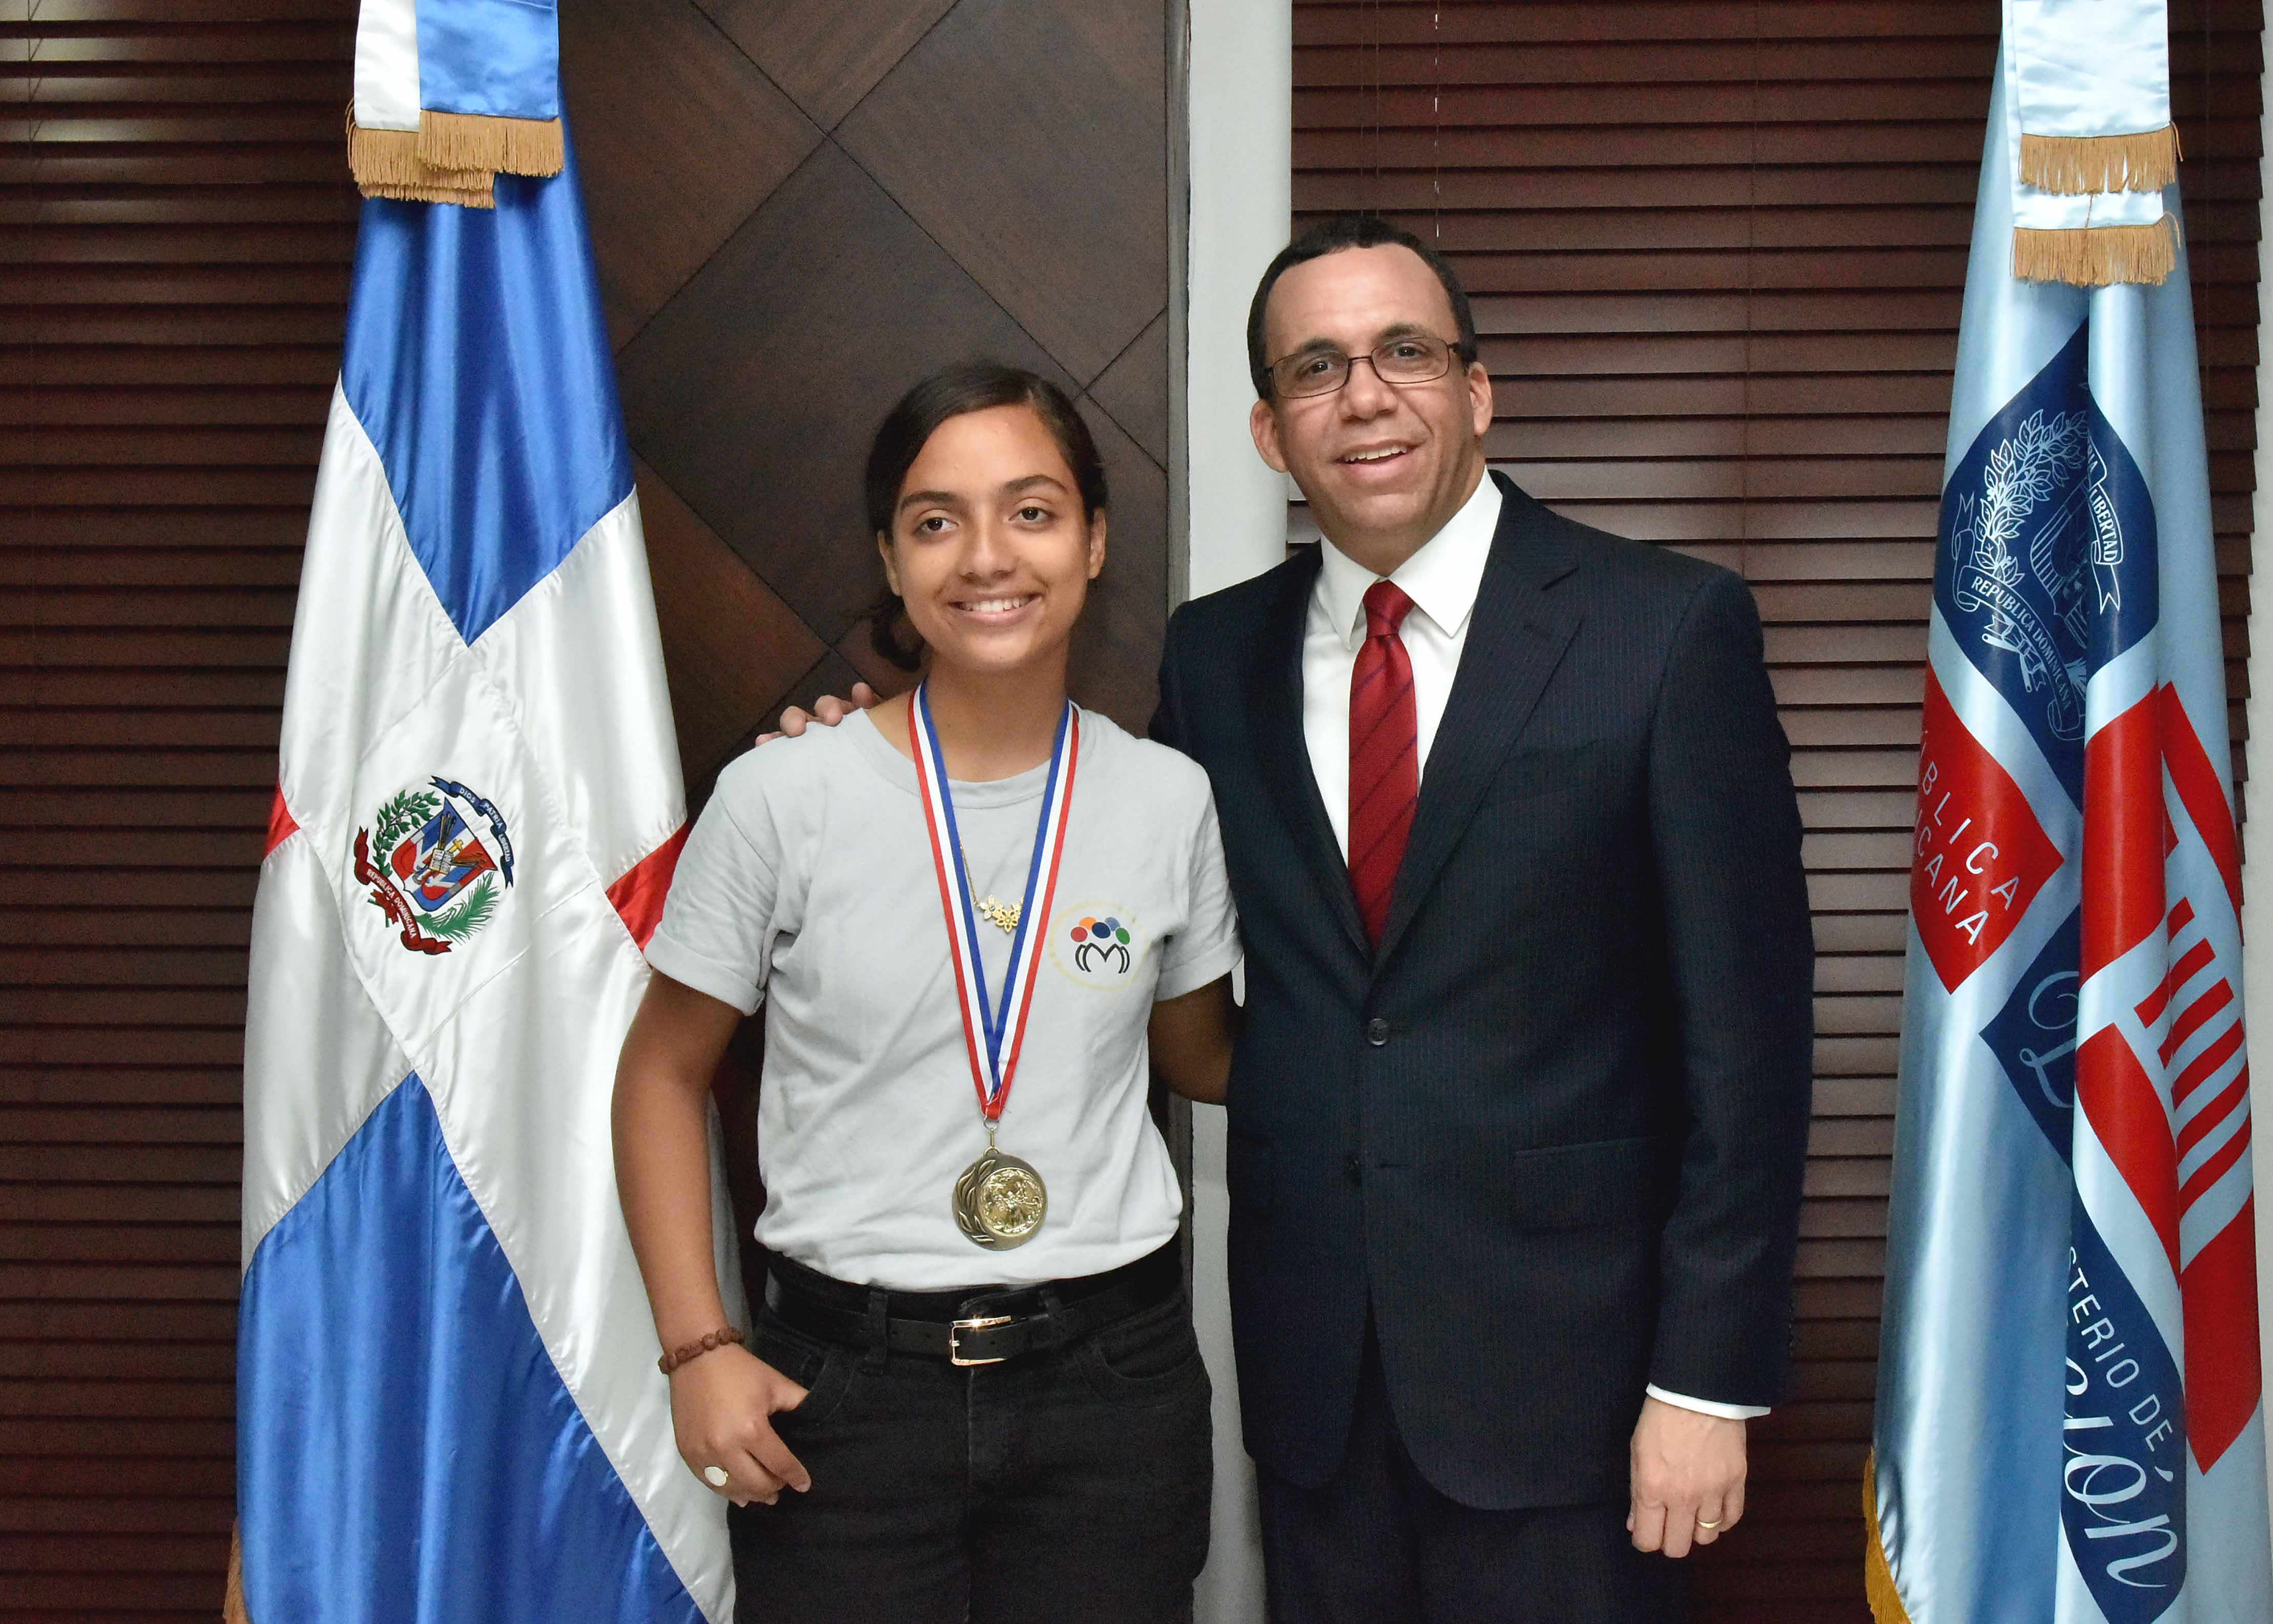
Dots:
(1095, 945)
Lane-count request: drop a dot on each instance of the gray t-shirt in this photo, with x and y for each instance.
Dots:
(808, 882)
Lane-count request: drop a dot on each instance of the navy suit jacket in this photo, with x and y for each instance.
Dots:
(1551, 1133)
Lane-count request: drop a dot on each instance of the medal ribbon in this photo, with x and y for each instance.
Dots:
(991, 1036)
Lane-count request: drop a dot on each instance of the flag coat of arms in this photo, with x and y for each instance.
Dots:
(448, 1403)
(2069, 1427)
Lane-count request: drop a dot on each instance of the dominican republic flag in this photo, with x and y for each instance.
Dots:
(2068, 1425)
(448, 1407)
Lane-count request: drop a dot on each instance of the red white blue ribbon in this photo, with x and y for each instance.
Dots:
(992, 1034)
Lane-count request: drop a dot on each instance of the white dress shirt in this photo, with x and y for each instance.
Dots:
(1441, 579)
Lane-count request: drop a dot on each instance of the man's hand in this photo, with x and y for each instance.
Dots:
(1688, 1477)
(828, 710)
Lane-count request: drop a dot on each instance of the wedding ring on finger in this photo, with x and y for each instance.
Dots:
(1701, 1522)
(717, 1476)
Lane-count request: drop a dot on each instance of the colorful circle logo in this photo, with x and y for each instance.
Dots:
(1104, 932)
(1095, 945)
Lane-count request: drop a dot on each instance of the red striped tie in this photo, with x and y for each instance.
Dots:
(1384, 777)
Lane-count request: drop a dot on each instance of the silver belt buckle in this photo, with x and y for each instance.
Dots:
(955, 1340)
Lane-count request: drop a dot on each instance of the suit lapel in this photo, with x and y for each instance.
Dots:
(1276, 697)
(1516, 634)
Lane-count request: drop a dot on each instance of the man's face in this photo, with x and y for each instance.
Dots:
(1383, 465)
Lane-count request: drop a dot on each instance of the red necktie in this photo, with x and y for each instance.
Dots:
(1384, 775)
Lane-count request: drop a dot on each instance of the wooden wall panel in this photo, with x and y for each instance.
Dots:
(1717, 252)
(847, 252)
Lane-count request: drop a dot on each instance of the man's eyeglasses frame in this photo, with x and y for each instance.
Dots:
(1436, 359)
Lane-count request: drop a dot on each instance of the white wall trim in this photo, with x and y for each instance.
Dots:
(1241, 172)
(1240, 57)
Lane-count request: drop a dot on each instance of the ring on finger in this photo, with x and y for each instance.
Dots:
(717, 1476)
(1705, 1524)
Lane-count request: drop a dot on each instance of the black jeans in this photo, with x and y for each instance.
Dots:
(1070, 1485)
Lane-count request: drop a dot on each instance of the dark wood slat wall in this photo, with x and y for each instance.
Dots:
(1717, 252)
(177, 230)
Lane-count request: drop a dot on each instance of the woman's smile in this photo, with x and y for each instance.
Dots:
(998, 609)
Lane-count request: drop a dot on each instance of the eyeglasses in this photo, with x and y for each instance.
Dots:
(1417, 358)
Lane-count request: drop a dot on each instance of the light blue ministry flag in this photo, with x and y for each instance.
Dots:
(448, 1407)
(2069, 1428)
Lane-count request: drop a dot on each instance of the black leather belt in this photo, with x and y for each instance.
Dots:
(967, 1327)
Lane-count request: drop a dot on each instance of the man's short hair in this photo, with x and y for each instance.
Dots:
(1332, 237)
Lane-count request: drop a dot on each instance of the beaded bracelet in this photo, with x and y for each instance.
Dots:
(718, 1338)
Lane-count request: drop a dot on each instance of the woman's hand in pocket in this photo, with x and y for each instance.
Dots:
(722, 1409)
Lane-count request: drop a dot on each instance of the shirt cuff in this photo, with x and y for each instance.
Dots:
(704, 974)
(1709, 1407)
(1193, 974)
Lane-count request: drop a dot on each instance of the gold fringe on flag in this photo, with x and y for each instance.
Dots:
(2076, 165)
(419, 191)
(386, 164)
(502, 145)
(232, 1601)
(2097, 256)
(1877, 1578)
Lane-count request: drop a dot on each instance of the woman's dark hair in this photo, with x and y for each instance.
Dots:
(952, 392)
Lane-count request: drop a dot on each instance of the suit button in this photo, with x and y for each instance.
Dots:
(1377, 1031)
(1354, 1169)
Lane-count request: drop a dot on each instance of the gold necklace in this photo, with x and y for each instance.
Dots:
(1001, 915)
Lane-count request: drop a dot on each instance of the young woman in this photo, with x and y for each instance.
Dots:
(972, 913)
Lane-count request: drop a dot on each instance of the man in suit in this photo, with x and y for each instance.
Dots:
(1520, 1109)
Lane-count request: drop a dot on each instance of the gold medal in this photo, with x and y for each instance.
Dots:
(1000, 1201)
